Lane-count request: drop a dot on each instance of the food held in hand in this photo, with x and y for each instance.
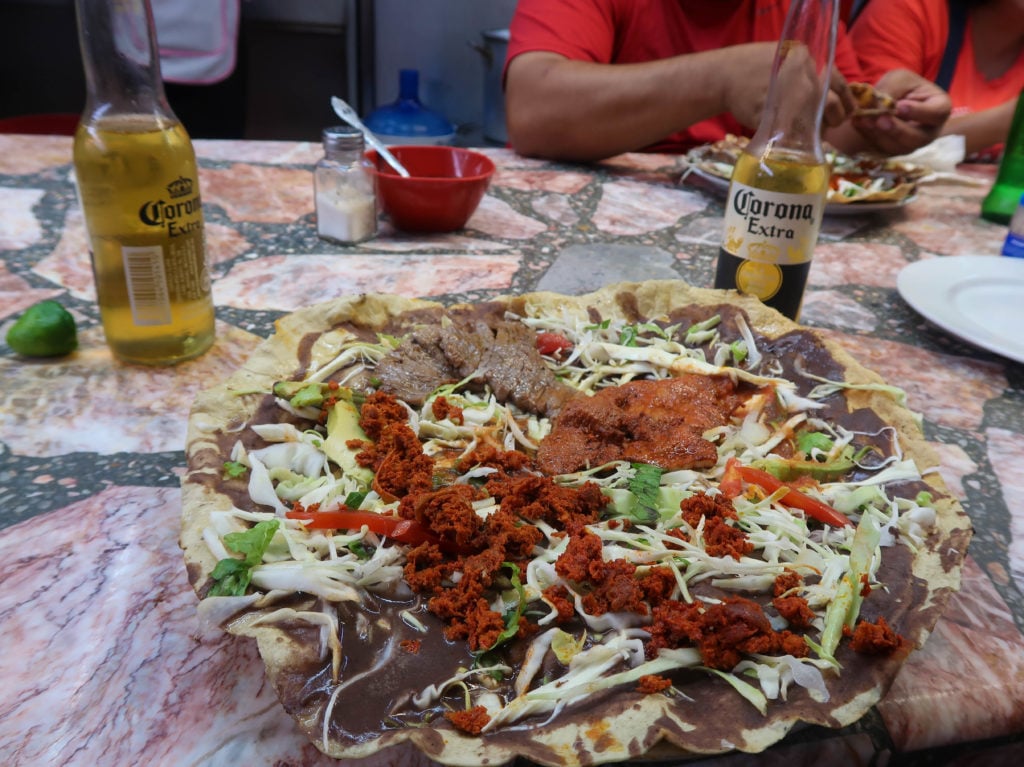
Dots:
(871, 102)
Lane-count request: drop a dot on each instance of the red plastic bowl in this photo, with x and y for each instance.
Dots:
(445, 186)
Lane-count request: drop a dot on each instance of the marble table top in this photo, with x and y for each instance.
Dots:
(104, 660)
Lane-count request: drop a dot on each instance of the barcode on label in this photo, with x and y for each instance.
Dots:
(147, 284)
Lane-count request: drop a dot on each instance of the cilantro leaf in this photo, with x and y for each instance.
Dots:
(644, 484)
(355, 499)
(361, 550)
(231, 576)
(630, 333)
(234, 469)
(512, 616)
(627, 337)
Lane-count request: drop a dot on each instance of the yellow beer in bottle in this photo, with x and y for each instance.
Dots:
(139, 188)
(776, 198)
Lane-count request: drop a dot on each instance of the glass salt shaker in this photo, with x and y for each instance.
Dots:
(346, 208)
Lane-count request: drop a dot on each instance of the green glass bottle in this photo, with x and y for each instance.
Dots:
(1004, 197)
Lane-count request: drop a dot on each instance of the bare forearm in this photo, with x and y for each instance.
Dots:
(584, 111)
(982, 129)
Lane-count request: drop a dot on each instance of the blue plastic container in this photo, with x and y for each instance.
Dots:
(1014, 244)
(407, 121)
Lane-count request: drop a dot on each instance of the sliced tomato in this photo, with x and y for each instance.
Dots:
(793, 497)
(395, 528)
(552, 344)
(731, 483)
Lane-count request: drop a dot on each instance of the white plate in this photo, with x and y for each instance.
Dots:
(720, 186)
(979, 299)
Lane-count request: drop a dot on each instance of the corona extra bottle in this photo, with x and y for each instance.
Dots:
(139, 189)
(777, 194)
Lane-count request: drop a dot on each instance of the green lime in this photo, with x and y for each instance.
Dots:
(45, 329)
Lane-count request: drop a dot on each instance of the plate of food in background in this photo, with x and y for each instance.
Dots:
(859, 184)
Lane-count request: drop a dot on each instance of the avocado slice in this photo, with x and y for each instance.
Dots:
(302, 393)
(342, 426)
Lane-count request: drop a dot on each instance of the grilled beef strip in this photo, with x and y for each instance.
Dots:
(501, 354)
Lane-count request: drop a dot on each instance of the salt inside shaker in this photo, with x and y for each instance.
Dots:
(346, 208)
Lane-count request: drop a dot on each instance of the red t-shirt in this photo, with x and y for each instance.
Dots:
(632, 31)
(911, 34)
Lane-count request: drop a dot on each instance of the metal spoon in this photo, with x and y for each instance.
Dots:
(348, 114)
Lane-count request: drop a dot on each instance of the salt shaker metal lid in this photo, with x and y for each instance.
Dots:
(342, 138)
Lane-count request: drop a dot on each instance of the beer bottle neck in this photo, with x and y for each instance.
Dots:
(799, 82)
(120, 58)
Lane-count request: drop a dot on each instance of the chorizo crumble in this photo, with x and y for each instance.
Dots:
(534, 523)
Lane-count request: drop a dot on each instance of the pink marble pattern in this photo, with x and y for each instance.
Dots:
(968, 679)
(956, 400)
(938, 229)
(497, 218)
(631, 208)
(19, 228)
(16, 295)
(272, 152)
(846, 263)
(115, 670)
(1006, 452)
(289, 282)
(21, 155)
(68, 263)
(91, 388)
(259, 193)
(550, 181)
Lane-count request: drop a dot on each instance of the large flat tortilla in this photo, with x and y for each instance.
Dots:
(612, 726)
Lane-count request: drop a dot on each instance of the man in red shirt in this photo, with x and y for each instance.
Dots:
(587, 79)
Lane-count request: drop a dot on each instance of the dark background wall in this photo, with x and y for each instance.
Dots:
(293, 56)
(289, 64)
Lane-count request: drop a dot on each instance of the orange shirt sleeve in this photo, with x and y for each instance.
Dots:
(901, 34)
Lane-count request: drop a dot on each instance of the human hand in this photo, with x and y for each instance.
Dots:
(922, 108)
(745, 75)
(749, 70)
(839, 103)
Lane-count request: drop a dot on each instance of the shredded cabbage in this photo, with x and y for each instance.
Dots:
(642, 524)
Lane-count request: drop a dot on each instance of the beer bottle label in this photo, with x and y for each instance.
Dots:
(147, 284)
(770, 237)
(771, 227)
